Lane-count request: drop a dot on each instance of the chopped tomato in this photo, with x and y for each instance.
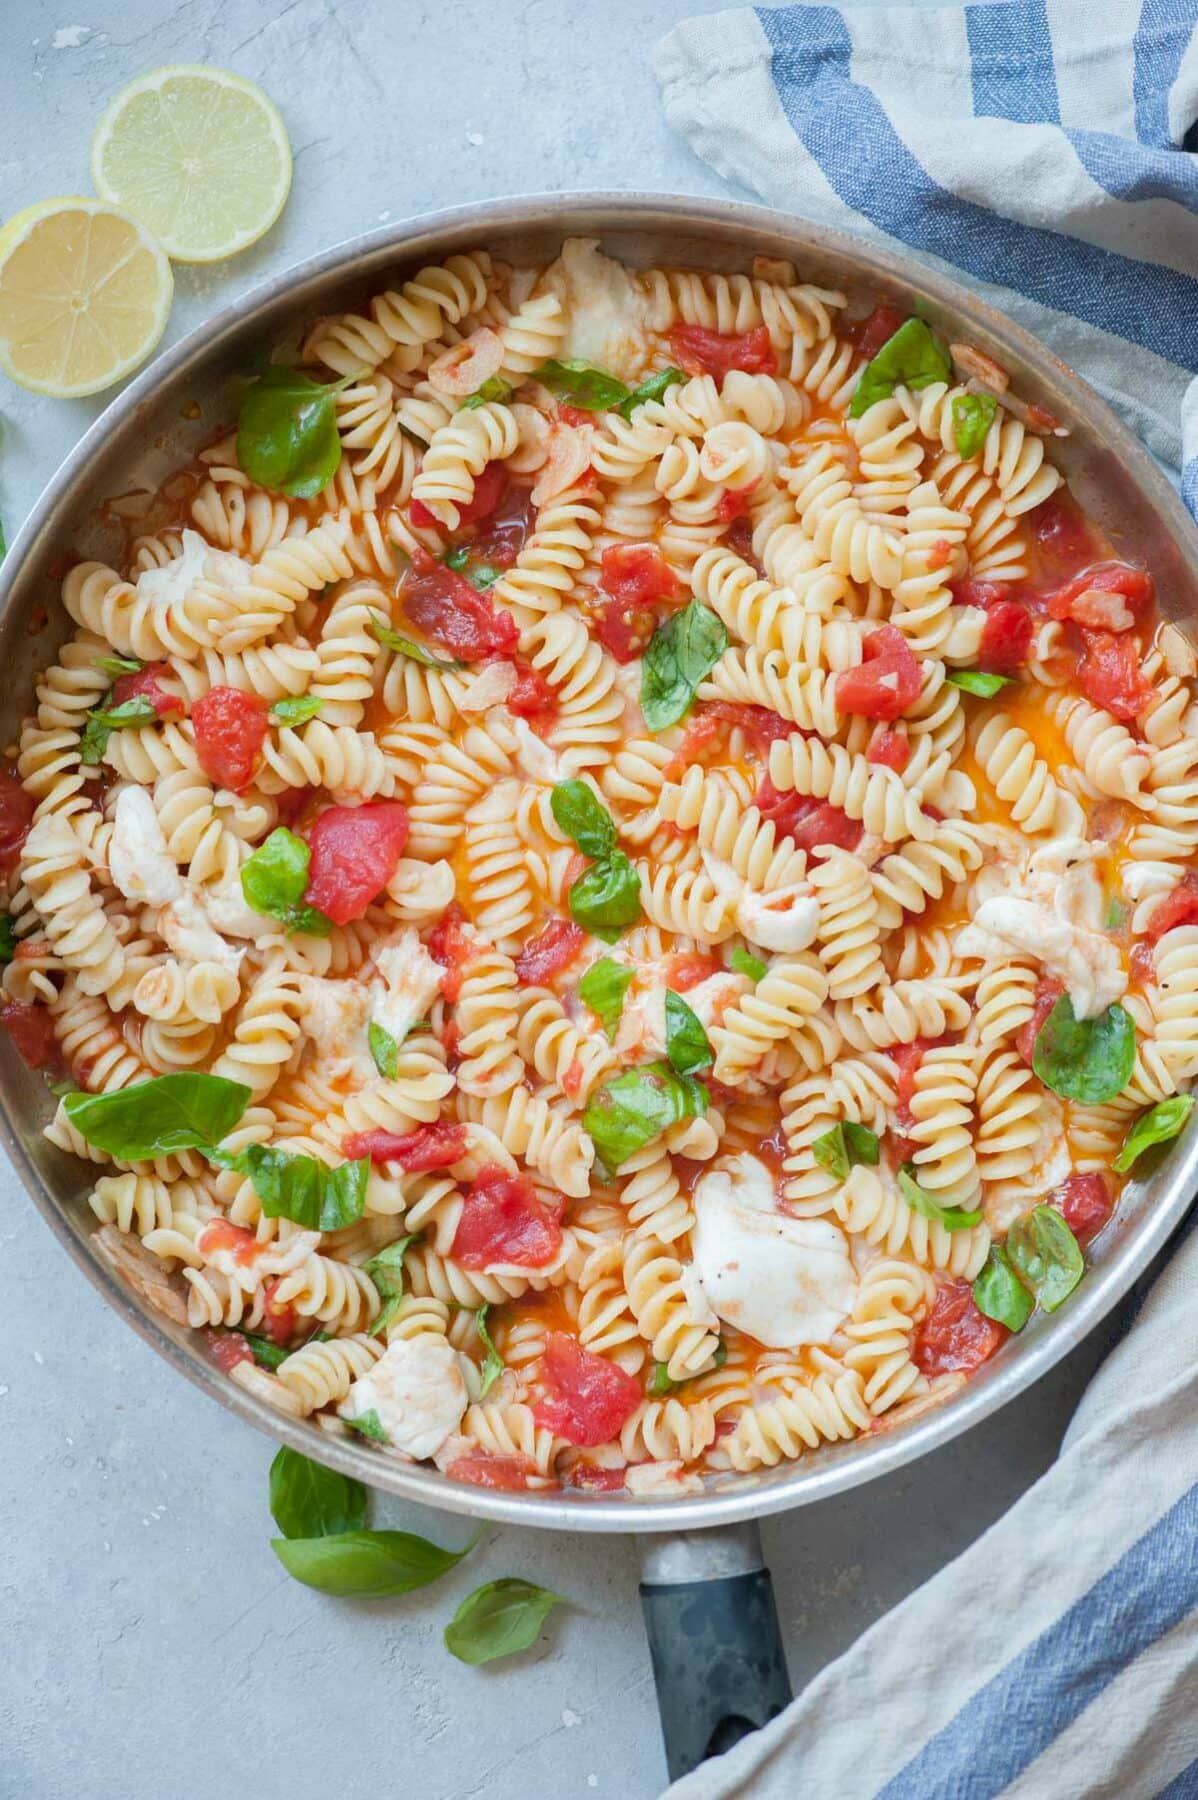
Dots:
(354, 853)
(1128, 593)
(230, 730)
(955, 1334)
(1085, 1203)
(591, 1478)
(583, 1397)
(733, 504)
(549, 952)
(1048, 992)
(16, 815)
(222, 1235)
(971, 592)
(292, 803)
(147, 683)
(532, 697)
(886, 683)
(572, 1079)
(227, 1349)
(1109, 675)
(436, 1146)
(906, 1059)
(511, 1473)
(811, 823)
(448, 944)
(703, 730)
(489, 490)
(503, 535)
(637, 572)
(878, 329)
(574, 415)
(760, 724)
(890, 748)
(32, 1032)
(278, 1322)
(1177, 908)
(625, 629)
(503, 1220)
(1142, 964)
(940, 554)
(1006, 638)
(703, 352)
(422, 518)
(740, 539)
(455, 616)
(687, 968)
(1062, 534)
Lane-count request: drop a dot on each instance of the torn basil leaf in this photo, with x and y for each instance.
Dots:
(912, 358)
(287, 438)
(953, 1218)
(1087, 1060)
(384, 1050)
(581, 384)
(681, 653)
(394, 640)
(498, 1619)
(274, 880)
(183, 1111)
(978, 681)
(493, 1364)
(1159, 1125)
(973, 415)
(999, 1293)
(1044, 1251)
(603, 988)
(297, 710)
(688, 1046)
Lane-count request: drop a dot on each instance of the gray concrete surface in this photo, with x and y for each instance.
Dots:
(152, 1646)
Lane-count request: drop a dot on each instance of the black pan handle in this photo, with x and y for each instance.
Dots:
(717, 1653)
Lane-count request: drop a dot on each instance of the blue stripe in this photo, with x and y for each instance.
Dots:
(1183, 1786)
(846, 130)
(1189, 485)
(1165, 29)
(1131, 172)
(1014, 76)
(1017, 1715)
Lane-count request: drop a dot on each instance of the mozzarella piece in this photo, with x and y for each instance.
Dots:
(490, 687)
(784, 921)
(141, 866)
(661, 1481)
(411, 982)
(606, 313)
(783, 1281)
(534, 759)
(642, 1027)
(335, 1015)
(415, 1390)
(198, 561)
(188, 931)
(227, 907)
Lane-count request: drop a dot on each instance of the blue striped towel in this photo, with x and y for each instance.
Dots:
(1057, 1659)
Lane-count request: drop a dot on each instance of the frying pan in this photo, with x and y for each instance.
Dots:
(709, 1609)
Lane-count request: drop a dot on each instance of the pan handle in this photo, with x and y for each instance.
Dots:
(712, 1626)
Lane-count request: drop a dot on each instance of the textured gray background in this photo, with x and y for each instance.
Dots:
(151, 1644)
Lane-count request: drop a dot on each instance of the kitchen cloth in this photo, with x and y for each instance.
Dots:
(1045, 153)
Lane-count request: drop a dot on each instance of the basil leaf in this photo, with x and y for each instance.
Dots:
(370, 1564)
(498, 1619)
(386, 1272)
(636, 1106)
(953, 1218)
(102, 721)
(309, 1501)
(607, 897)
(1158, 1125)
(274, 880)
(493, 1365)
(845, 1144)
(999, 1293)
(8, 939)
(680, 654)
(1045, 1252)
(287, 432)
(483, 576)
(979, 681)
(494, 388)
(457, 559)
(687, 1043)
(297, 711)
(118, 665)
(302, 1189)
(743, 962)
(1087, 1060)
(157, 1117)
(973, 415)
(862, 1143)
(652, 388)
(583, 818)
(912, 358)
(1114, 915)
(661, 1382)
(384, 1050)
(603, 988)
(267, 1354)
(370, 1426)
(581, 384)
(392, 640)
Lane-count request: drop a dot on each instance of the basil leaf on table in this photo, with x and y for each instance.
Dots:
(652, 388)
(973, 415)
(369, 1564)
(607, 897)
(386, 1272)
(8, 939)
(1087, 1060)
(274, 880)
(845, 1144)
(638, 1105)
(999, 1293)
(979, 681)
(1044, 1251)
(287, 437)
(953, 1218)
(493, 388)
(160, 1116)
(603, 988)
(296, 711)
(493, 1363)
(102, 721)
(309, 1501)
(583, 818)
(680, 654)
(394, 640)
(302, 1189)
(384, 1050)
(743, 962)
(1158, 1125)
(688, 1046)
(912, 358)
(581, 384)
(498, 1619)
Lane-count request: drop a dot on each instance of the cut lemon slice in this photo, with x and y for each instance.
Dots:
(199, 156)
(84, 296)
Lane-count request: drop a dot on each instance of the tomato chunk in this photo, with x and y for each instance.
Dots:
(955, 1335)
(436, 1146)
(504, 1221)
(1048, 992)
(221, 1234)
(478, 1469)
(549, 952)
(455, 616)
(740, 539)
(906, 1059)
(230, 730)
(969, 591)
(637, 572)
(354, 853)
(1061, 533)
(147, 684)
(592, 1479)
(878, 329)
(687, 968)
(1178, 908)
(811, 823)
(450, 944)
(1086, 1203)
(890, 748)
(227, 1349)
(532, 698)
(32, 1031)
(1128, 593)
(16, 815)
(886, 683)
(489, 490)
(1109, 675)
(704, 352)
(760, 724)
(278, 1321)
(1006, 638)
(500, 538)
(583, 1398)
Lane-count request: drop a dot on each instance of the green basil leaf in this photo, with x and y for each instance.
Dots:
(274, 879)
(302, 1189)
(483, 576)
(60, 1089)
(384, 1050)
(102, 721)
(1047, 1255)
(636, 1106)
(369, 1425)
(661, 1382)
(8, 939)
(393, 640)
(309, 1501)
(1158, 1125)
(912, 358)
(119, 665)
(369, 1564)
(287, 436)
(493, 1364)
(457, 559)
(498, 1619)
(687, 1043)
(296, 711)
(862, 1143)
(160, 1116)
(581, 384)
(680, 654)
(1114, 916)
(845, 1144)
(652, 388)
(603, 988)
(953, 1218)
(979, 681)
(743, 962)
(583, 818)
(1087, 1060)
(494, 388)
(386, 1272)
(999, 1293)
(973, 415)
(607, 898)
(267, 1354)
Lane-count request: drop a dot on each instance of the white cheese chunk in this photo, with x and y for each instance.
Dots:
(141, 866)
(188, 931)
(783, 1281)
(411, 981)
(535, 760)
(784, 921)
(335, 1016)
(661, 1481)
(226, 905)
(416, 1392)
(605, 311)
(198, 561)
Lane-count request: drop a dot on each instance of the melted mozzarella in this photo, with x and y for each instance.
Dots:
(141, 866)
(226, 906)
(534, 758)
(661, 1481)
(335, 1015)
(605, 310)
(416, 1391)
(784, 921)
(198, 561)
(411, 982)
(783, 1281)
(187, 930)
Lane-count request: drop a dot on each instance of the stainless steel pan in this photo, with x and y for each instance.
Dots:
(710, 1613)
